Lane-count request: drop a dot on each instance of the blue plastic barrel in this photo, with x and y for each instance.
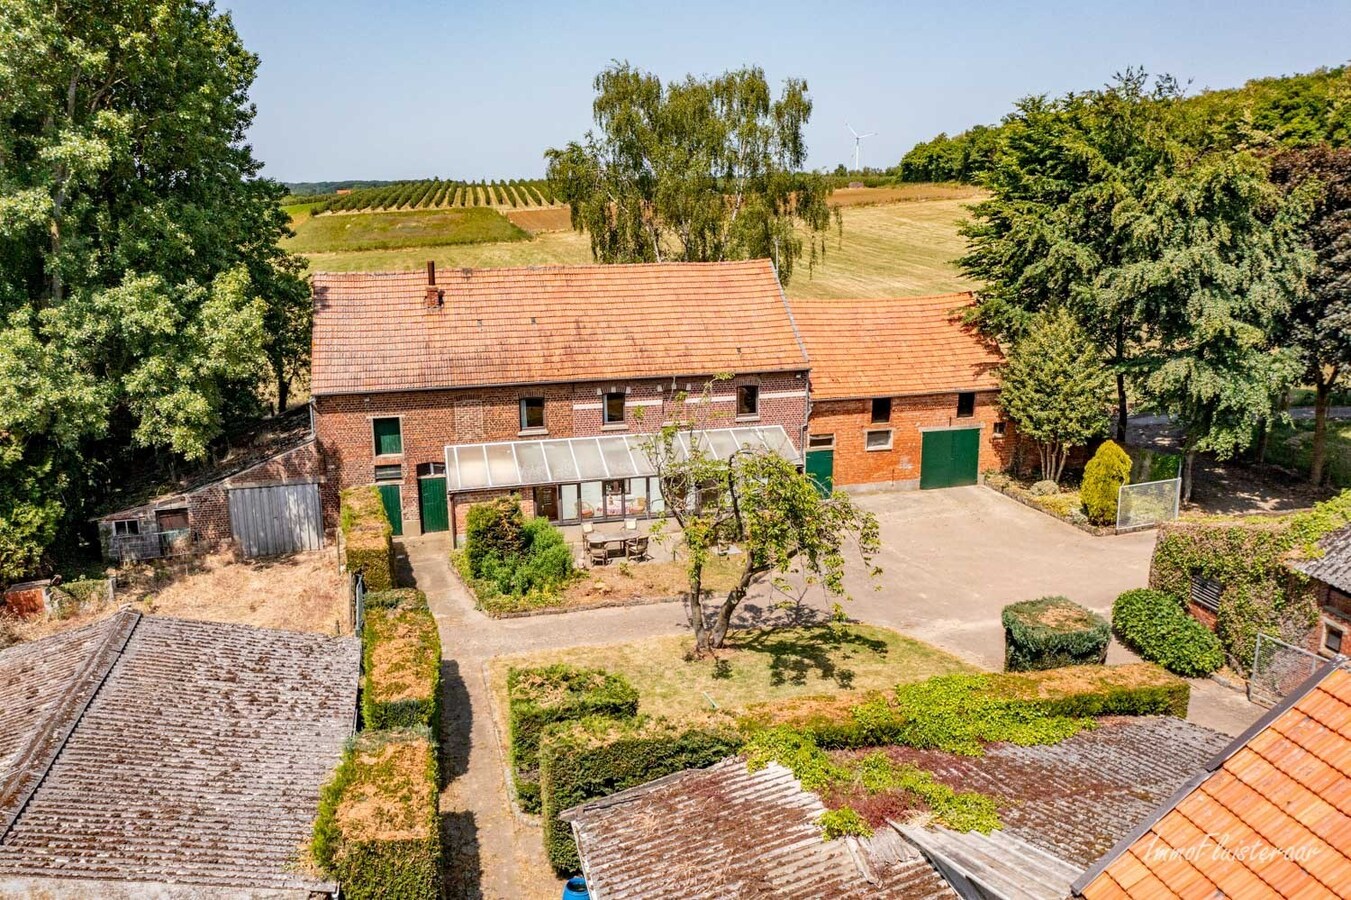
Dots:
(575, 889)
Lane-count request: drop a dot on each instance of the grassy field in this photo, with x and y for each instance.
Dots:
(892, 249)
(755, 667)
(358, 232)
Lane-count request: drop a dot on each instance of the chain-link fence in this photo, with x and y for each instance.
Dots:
(1278, 668)
(1147, 504)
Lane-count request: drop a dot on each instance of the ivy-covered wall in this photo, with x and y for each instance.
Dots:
(1249, 557)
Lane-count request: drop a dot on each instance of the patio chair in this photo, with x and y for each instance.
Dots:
(598, 554)
(587, 528)
(636, 547)
(630, 524)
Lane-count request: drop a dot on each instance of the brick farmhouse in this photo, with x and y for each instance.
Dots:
(445, 389)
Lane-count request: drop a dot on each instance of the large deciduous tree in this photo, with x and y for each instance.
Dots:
(140, 278)
(758, 505)
(1055, 388)
(1318, 327)
(696, 170)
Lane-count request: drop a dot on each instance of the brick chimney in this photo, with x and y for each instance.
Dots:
(436, 298)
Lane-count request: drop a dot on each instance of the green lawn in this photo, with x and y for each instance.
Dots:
(1292, 446)
(758, 665)
(355, 232)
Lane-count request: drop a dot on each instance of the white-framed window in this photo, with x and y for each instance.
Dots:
(877, 439)
(127, 526)
(1334, 638)
(821, 442)
(613, 408)
(1000, 429)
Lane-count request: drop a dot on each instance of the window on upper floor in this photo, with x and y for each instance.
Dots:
(614, 408)
(532, 413)
(881, 411)
(747, 400)
(966, 404)
(388, 436)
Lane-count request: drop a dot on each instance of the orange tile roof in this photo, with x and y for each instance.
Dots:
(374, 332)
(894, 347)
(1272, 818)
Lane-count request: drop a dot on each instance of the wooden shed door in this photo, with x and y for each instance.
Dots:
(392, 497)
(820, 468)
(274, 519)
(432, 501)
(950, 458)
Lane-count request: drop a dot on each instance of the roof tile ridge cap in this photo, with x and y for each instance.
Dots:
(788, 308)
(37, 759)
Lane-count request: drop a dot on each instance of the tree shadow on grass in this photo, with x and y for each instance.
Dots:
(818, 649)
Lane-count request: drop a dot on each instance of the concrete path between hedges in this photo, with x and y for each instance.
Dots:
(951, 561)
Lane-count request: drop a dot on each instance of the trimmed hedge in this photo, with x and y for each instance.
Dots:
(1155, 625)
(1104, 475)
(378, 828)
(537, 698)
(368, 537)
(599, 756)
(1053, 632)
(960, 713)
(401, 661)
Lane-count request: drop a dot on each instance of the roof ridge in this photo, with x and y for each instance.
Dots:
(36, 759)
(559, 267)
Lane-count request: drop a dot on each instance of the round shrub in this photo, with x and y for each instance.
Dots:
(1044, 488)
(1104, 475)
(1052, 632)
(1155, 625)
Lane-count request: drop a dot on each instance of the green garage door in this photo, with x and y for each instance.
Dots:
(950, 458)
(390, 496)
(435, 514)
(820, 468)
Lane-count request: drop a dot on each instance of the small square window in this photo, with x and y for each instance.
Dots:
(1333, 638)
(966, 404)
(878, 440)
(821, 442)
(748, 400)
(1000, 429)
(532, 413)
(127, 526)
(881, 411)
(614, 408)
(388, 436)
(389, 473)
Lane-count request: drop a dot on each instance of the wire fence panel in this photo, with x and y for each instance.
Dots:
(1278, 668)
(1148, 503)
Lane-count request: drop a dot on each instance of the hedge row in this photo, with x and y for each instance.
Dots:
(1053, 632)
(539, 697)
(1155, 625)
(368, 536)
(598, 756)
(961, 713)
(378, 831)
(401, 661)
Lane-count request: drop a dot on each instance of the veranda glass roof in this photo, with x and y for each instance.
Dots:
(471, 467)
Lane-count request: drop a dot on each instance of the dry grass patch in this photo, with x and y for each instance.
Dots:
(903, 193)
(381, 807)
(758, 665)
(535, 221)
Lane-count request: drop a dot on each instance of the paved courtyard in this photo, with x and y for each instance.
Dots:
(951, 561)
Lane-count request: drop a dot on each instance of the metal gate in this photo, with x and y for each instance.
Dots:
(1148, 503)
(276, 519)
(1278, 668)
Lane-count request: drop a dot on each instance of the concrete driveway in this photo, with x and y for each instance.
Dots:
(953, 559)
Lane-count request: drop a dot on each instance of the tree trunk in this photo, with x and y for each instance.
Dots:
(1322, 401)
(734, 597)
(283, 392)
(1188, 467)
(1263, 433)
(694, 608)
(1121, 415)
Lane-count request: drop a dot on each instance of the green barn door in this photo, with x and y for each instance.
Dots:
(950, 458)
(432, 500)
(390, 496)
(820, 468)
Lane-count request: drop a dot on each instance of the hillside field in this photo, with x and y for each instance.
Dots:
(896, 241)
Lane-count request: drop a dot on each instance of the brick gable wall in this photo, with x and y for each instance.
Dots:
(849, 420)
(432, 419)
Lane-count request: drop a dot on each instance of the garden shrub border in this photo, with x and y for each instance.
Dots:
(1031, 644)
(406, 869)
(421, 676)
(368, 538)
(1156, 626)
(598, 756)
(530, 712)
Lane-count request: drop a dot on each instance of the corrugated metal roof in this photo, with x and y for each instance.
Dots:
(725, 832)
(173, 751)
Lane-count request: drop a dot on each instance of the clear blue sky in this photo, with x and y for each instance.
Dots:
(412, 88)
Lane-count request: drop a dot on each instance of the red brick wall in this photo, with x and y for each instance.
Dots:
(466, 500)
(848, 420)
(433, 419)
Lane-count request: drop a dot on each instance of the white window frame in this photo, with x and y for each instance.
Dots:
(869, 432)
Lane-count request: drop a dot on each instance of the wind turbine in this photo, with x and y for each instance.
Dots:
(858, 139)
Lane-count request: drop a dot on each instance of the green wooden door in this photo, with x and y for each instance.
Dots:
(950, 458)
(820, 468)
(393, 500)
(432, 500)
